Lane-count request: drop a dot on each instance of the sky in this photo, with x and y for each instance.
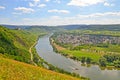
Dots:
(59, 12)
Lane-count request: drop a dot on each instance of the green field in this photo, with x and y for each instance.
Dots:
(78, 54)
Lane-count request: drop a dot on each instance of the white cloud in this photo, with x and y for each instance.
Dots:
(111, 14)
(83, 3)
(16, 13)
(55, 17)
(58, 11)
(24, 9)
(2, 7)
(95, 18)
(36, 1)
(108, 4)
(47, 0)
(42, 5)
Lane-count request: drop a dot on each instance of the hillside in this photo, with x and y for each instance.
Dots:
(15, 44)
(14, 70)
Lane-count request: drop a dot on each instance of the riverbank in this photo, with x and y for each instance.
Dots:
(70, 54)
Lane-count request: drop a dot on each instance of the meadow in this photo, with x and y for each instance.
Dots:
(14, 70)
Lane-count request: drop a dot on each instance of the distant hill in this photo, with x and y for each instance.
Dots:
(25, 27)
(112, 27)
(16, 26)
(92, 27)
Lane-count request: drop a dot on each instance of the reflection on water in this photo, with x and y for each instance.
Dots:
(93, 72)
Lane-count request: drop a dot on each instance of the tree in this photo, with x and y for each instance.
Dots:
(2, 50)
(102, 61)
(88, 60)
(117, 63)
(109, 57)
(83, 59)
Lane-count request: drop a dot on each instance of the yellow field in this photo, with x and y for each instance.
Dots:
(14, 70)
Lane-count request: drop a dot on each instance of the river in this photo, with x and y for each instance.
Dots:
(45, 51)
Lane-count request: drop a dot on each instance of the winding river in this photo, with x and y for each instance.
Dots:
(93, 72)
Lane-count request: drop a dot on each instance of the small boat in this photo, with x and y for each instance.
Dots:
(75, 68)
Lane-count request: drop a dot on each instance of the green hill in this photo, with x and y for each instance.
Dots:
(15, 44)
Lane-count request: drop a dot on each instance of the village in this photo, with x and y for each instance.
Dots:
(87, 39)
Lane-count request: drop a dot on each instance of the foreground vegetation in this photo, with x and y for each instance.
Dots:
(14, 70)
(104, 54)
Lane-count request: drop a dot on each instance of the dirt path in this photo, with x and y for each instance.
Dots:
(30, 51)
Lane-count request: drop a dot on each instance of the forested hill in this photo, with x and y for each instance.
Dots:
(8, 42)
(15, 44)
(112, 27)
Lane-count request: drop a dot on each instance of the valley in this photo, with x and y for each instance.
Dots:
(59, 39)
(78, 53)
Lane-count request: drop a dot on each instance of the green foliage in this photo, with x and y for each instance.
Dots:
(102, 61)
(16, 43)
(88, 60)
(117, 63)
(2, 50)
(83, 59)
(7, 46)
(113, 59)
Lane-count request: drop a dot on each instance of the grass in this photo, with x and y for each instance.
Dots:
(74, 53)
(14, 70)
(78, 54)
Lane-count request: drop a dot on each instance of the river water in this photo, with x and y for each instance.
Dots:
(93, 72)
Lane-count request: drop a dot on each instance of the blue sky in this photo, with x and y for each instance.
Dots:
(59, 12)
